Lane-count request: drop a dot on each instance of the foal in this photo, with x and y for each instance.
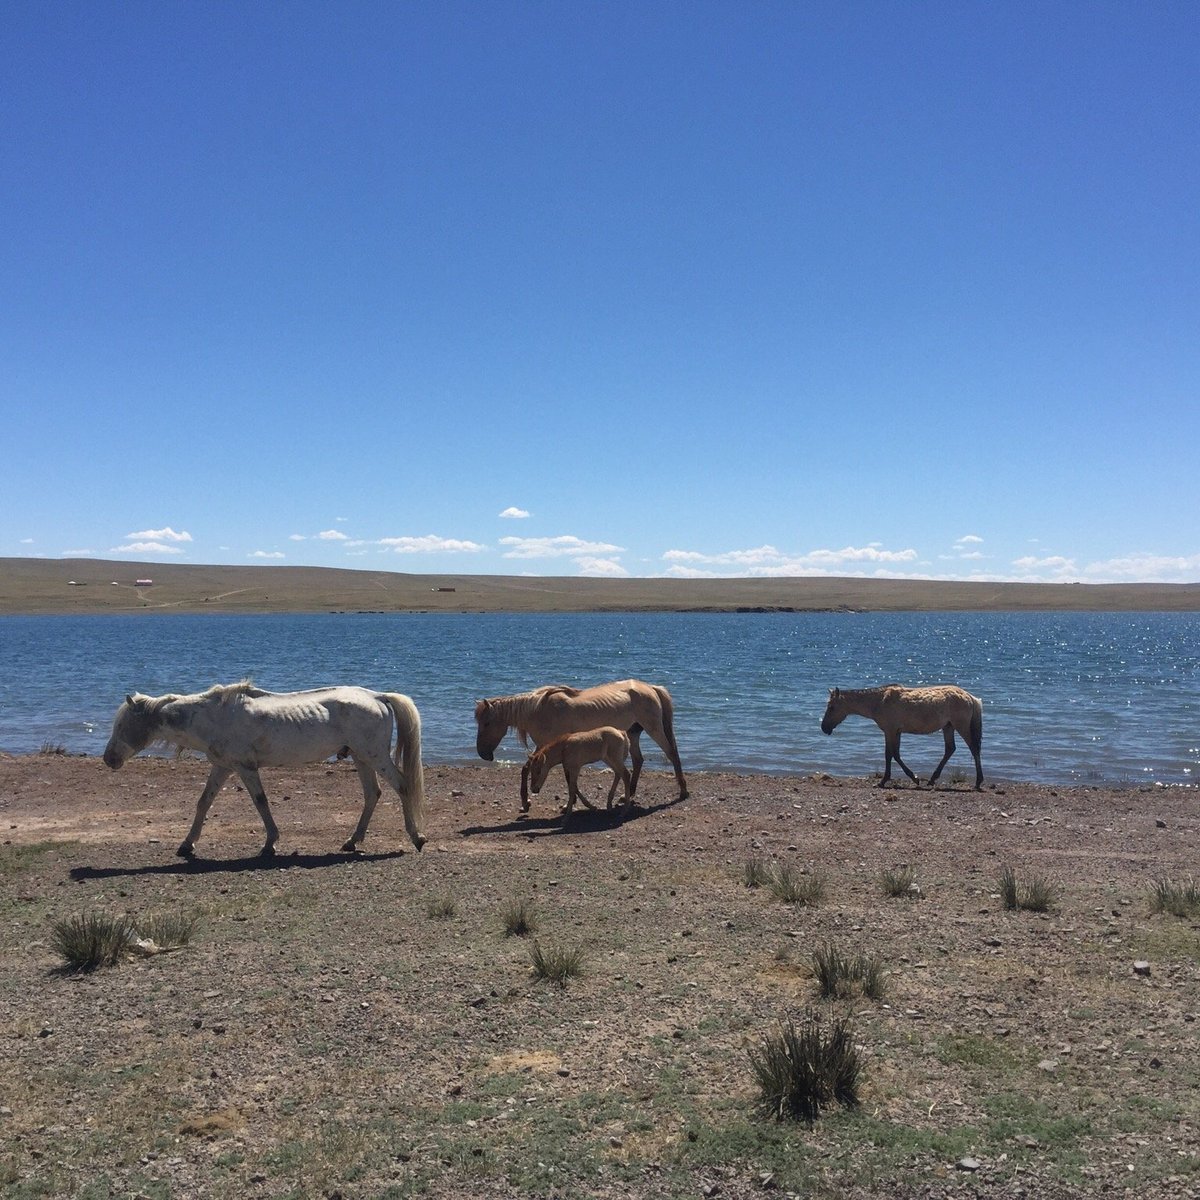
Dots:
(574, 751)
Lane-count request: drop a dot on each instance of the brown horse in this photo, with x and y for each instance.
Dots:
(549, 712)
(898, 710)
(573, 751)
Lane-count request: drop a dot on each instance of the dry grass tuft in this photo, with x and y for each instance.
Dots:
(800, 1072)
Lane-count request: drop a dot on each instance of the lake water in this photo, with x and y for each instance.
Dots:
(1068, 697)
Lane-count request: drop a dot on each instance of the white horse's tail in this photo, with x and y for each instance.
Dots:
(408, 754)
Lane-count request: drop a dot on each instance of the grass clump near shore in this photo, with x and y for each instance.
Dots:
(757, 872)
(840, 976)
(441, 907)
(555, 965)
(796, 887)
(518, 918)
(899, 882)
(1037, 895)
(1180, 899)
(93, 940)
(802, 1071)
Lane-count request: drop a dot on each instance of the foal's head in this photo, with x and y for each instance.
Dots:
(538, 767)
(836, 711)
(134, 727)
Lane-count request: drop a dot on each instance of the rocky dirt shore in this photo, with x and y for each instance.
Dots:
(362, 1026)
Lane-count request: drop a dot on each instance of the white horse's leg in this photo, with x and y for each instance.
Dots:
(949, 732)
(216, 777)
(371, 793)
(249, 776)
(391, 773)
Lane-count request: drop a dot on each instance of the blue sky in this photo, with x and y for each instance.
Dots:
(619, 289)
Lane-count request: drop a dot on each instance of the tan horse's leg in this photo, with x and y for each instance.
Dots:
(249, 776)
(948, 730)
(666, 743)
(216, 777)
(635, 757)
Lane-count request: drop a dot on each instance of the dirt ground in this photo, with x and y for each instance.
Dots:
(362, 1026)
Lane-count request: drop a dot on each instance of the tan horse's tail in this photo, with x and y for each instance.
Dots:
(668, 717)
(408, 754)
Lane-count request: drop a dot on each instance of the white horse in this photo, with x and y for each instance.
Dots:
(241, 728)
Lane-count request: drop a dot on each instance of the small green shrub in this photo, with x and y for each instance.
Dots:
(441, 907)
(796, 887)
(1178, 899)
(52, 749)
(555, 965)
(899, 881)
(168, 930)
(518, 918)
(92, 940)
(801, 1071)
(840, 976)
(1037, 895)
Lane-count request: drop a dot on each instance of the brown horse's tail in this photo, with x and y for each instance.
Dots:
(408, 755)
(977, 726)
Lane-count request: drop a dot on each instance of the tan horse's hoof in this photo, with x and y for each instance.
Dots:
(186, 851)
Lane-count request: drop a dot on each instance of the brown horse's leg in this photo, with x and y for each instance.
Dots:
(949, 732)
(894, 751)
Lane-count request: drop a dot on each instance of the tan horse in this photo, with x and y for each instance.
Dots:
(898, 710)
(549, 712)
(574, 751)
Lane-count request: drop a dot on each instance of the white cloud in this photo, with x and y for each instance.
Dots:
(515, 513)
(266, 554)
(332, 535)
(767, 561)
(968, 539)
(606, 568)
(27, 541)
(160, 535)
(341, 519)
(430, 544)
(77, 553)
(1053, 562)
(1146, 568)
(297, 537)
(565, 546)
(145, 548)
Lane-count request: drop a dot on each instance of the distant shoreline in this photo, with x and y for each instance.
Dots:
(34, 586)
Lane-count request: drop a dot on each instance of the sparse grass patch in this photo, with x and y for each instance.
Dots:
(801, 1071)
(441, 907)
(49, 749)
(1180, 899)
(518, 917)
(556, 964)
(93, 940)
(22, 858)
(757, 872)
(1037, 895)
(840, 976)
(796, 887)
(899, 881)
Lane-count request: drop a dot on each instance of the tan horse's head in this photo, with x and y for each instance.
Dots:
(492, 725)
(133, 730)
(836, 711)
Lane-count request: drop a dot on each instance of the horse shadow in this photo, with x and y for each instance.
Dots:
(581, 821)
(235, 866)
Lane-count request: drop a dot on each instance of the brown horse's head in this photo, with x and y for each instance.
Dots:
(492, 726)
(835, 711)
(133, 730)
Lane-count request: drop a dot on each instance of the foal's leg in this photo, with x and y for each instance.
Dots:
(391, 773)
(249, 776)
(371, 792)
(949, 732)
(572, 790)
(216, 777)
(578, 794)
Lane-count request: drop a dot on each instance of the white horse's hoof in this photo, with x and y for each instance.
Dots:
(186, 851)
(349, 847)
(267, 852)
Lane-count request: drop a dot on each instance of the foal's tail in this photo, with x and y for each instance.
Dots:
(408, 755)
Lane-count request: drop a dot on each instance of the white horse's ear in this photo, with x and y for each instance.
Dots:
(129, 699)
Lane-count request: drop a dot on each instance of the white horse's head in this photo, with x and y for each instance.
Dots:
(134, 727)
